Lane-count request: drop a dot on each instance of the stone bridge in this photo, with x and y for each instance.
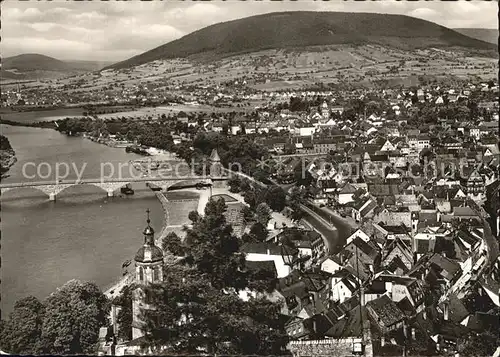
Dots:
(52, 189)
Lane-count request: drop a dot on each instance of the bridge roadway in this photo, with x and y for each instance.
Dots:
(52, 188)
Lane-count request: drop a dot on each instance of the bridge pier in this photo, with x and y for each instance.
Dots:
(111, 193)
(52, 196)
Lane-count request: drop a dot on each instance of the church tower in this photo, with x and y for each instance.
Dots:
(325, 111)
(215, 169)
(148, 270)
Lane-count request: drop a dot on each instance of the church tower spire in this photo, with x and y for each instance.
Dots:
(149, 232)
(148, 270)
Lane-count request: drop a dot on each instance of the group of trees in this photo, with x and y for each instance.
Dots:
(67, 322)
(4, 143)
(198, 308)
(261, 201)
(273, 196)
(236, 152)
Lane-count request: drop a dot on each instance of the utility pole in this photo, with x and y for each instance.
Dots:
(361, 303)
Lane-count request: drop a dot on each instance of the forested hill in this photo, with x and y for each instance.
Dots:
(307, 28)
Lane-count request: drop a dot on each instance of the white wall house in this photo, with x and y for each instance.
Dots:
(343, 290)
(358, 234)
(307, 131)
(331, 266)
(281, 268)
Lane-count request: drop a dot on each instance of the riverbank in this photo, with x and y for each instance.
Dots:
(164, 204)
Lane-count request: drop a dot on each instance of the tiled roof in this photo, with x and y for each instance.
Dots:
(383, 189)
(457, 309)
(449, 267)
(464, 212)
(406, 306)
(387, 313)
(366, 209)
(261, 248)
(265, 265)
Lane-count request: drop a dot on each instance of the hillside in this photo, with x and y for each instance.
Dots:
(37, 66)
(486, 35)
(305, 28)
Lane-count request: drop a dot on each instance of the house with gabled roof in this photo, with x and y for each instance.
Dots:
(359, 233)
(464, 213)
(394, 216)
(397, 257)
(444, 270)
(262, 252)
(344, 289)
(363, 209)
(346, 194)
(384, 314)
(388, 146)
(330, 264)
(361, 254)
(409, 288)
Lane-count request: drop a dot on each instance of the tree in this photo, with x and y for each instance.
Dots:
(73, 317)
(482, 344)
(234, 183)
(21, 334)
(301, 175)
(173, 244)
(263, 214)
(248, 215)
(275, 197)
(214, 249)
(198, 308)
(251, 198)
(124, 318)
(258, 232)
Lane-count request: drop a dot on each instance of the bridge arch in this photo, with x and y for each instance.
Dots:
(49, 190)
(53, 190)
(165, 185)
(46, 191)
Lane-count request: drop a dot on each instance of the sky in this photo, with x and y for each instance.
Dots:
(117, 30)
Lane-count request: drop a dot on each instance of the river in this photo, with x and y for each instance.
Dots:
(83, 235)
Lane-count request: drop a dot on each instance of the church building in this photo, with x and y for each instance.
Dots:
(148, 270)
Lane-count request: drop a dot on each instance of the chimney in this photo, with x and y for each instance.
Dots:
(413, 333)
(424, 314)
(268, 251)
(446, 312)
(382, 341)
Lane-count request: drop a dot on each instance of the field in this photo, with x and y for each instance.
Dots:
(178, 211)
(280, 69)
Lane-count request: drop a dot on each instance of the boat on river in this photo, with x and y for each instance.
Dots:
(127, 190)
(153, 187)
